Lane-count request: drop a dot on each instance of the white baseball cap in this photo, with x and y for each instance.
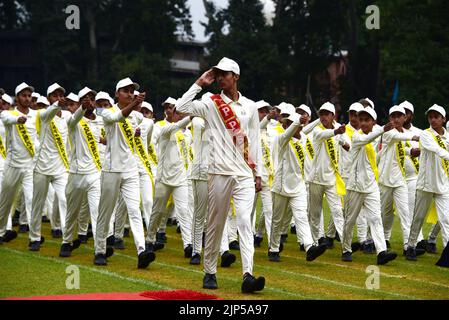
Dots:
(73, 97)
(287, 108)
(407, 105)
(35, 95)
(102, 96)
(85, 91)
(126, 82)
(356, 106)
(169, 100)
(294, 117)
(227, 64)
(396, 109)
(7, 98)
(22, 87)
(438, 109)
(370, 102)
(370, 111)
(111, 101)
(261, 104)
(328, 107)
(306, 109)
(53, 88)
(43, 100)
(147, 106)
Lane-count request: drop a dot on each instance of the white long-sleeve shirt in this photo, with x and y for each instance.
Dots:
(361, 177)
(410, 171)
(200, 146)
(171, 168)
(390, 173)
(433, 178)
(17, 155)
(146, 129)
(3, 136)
(224, 158)
(345, 158)
(118, 157)
(288, 179)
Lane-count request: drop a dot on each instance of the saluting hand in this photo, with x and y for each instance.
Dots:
(206, 79)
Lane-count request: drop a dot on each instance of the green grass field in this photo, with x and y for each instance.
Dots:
(24, 273)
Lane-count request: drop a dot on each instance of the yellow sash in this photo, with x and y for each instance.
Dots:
(309, 148)
(278, 129)
(91, 143)
(332, 153)
(299, 153)
(24, 135)
(180, 139)
(439, 141)
(267, 159)
(152, 154)
(144, 158)
(127, 130)
(414, 160)
(400, 155)
(350, 132)
(2, 148)
(59, 142)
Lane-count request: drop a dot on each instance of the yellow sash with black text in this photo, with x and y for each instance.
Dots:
(266, 154)
(91, 143)
(144, 158)
(181, 141)
(299, 153)
(371, 155)
(2, 148)
(24, 135)
(414, 160)
(332, 153)
(127, 130)
(400, 156)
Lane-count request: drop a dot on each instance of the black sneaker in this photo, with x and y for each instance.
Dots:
(110, 240)
(418, 252)
(257, 241)
(284, 238)
(119, 244)
(145, 258)
(9, 235)
(210, 281)
(234, 245)
(34, 245)
(227, 259)
(431, 248)
(387, 242)
(322, 240)
(250, 284)
(274, 256)
(410, 254)
(178, 229)
(76, 244)
(368, 248)
(421, 245)
(385, 257)
(154, 246)
(315, 251)
(65, 251)
(356, 246)
(1, 240)
(293, 229)
(161, 237)
(329, 242)
(82, 238)
(100, 260)
(188, 251)
(23, 228)
(196, 259)
(55, 233)
(126, 233)
(109, 251)
(346, 257)
(45, 219)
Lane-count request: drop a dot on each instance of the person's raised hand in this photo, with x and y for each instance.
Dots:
(206, 79)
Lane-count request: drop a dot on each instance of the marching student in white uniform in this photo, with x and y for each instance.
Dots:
(171, 179)
(433, 182)
(20, 126)
(34, 97)
(234, 166)
(120, 174)
(289, 189)
(392, 183)
(324, 177)
(85, 170)
(362, 187)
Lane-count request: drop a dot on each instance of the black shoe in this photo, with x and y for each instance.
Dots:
(301, 247)
(55, 233)
(45, 219)
(145, 258)
(15, 219)
(154, 246)
(188, 251)
(274, 256)
(100, 260)
(76, 244)
(119, 244)
(126, 233)
(82, 238)
(387, 242)
(293, 229)
(329, 242)
(23, 228)
(284, 238)
(34, 245)
(410, 254)
(337, 237)
(109, 251)
(210, 281)
(1, 240)
(386, 256)
(257, 241)
(9, 235)
(431, 248)
(42, 240)
(110, 240)
(356, 246)
(196, 259)
(227, 259)
(178, 229)
(322, 240)
(346, 257)
(234, 245)
(251, 284)
(368, 248)
(315, 251)
(161, 237)
(65, 251)
(421, 245)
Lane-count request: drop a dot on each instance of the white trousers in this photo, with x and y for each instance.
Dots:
(83, 217)
(433, 233)
(9, 223)
(411, 187)
(221, 189)
(112, 185)
(398, 196)
(41, 183)
(79, 188)
(200, 199)
(355, 202)
(264, 224)
(232, 226)
(422, 205)
(13, 179)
